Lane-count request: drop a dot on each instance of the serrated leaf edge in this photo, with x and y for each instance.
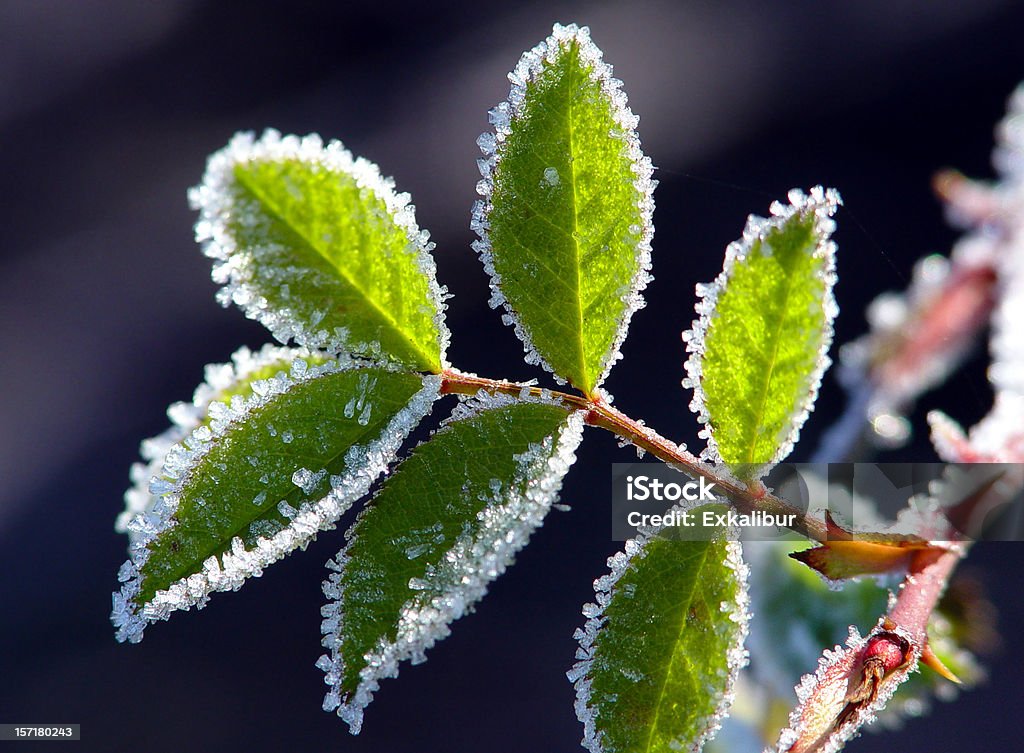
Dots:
(474, 561)
(364, 463)
(529, 67)
(213, 199)
(618, 564)
(186, 417)
(823, 203)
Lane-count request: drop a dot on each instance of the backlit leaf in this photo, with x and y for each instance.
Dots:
(760, 346)
(662, 646)
(319, 248)
(565, 220)
(223, 381)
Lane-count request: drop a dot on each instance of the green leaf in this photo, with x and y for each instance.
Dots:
(445, 525)
(565, 223)
(759, 348)
(223, 382)
(319, 248)
(266, 474)
(662, 646)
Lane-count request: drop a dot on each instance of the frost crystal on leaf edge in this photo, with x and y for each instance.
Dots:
(475, 560)
(604, 586)
(214, 200)
(823, 203)
(530, 65)
(364, 463)
(187, 417)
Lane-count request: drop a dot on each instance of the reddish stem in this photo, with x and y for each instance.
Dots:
(921, 588)
(605, 416)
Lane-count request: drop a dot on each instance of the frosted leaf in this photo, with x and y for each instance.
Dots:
(338, 265)
(177, 555)
(663, 645)
(622, 269)
(759, 347)
(434, 537)
(247, 372)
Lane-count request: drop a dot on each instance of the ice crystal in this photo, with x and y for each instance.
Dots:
(471, 405)
(187, 420)
(822, 696)
(503, 117)
(364, 463)
(457, 580)
(218, 206)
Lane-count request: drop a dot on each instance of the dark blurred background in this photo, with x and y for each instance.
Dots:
(107, 113)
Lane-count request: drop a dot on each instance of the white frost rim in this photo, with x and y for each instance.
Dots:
(214, 199)
(364, 463)
(476, 559)
(580, 674)
(823, 204)
(502, 117)
(187, 416)
(830, 680)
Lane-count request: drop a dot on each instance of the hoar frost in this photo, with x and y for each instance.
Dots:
(503, 118)
(606, 588)
(234, 266)
(459, 578)
(823, 204)
(229, 570)
(187, 420)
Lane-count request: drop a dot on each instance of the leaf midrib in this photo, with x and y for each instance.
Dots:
(423, 358)
(586, 386)
(776, 339)
(293, 493)
(679, 636)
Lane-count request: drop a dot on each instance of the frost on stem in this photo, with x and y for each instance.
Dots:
(504, 118)
(228, 569)
(260, 275)
(820, 204)
(851, 685)
(472, 405)
(453, 583)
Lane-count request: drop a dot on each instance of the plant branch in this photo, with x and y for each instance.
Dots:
(921, 588)
(746, 498)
